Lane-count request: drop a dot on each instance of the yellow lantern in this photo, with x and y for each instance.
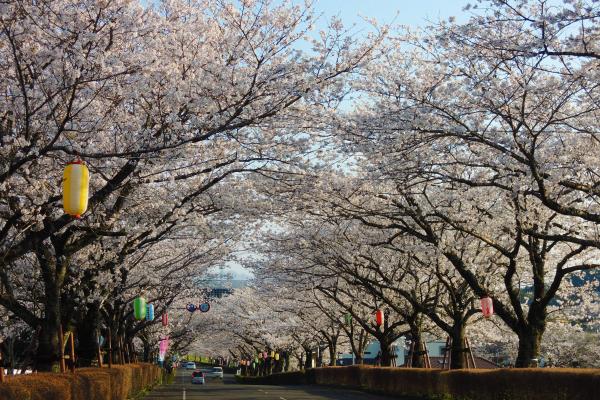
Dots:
(76, 181)
(276, 356)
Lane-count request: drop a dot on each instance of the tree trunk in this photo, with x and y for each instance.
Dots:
(417, 357)
(87, 330)
(386, 351)
(48, 352)
(309, 359)
(457, 350)
(332, 354)
(529, 348)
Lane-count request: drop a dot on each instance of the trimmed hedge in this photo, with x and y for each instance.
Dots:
(117, 383)
(283, 378)
(497, 384)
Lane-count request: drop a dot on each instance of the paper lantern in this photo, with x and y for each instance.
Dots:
(204, 307)
(139, 308)
(190, 307)
(163, 346)
(259, 355)
(76, 182)
(487, 307)
(265, 355)
(379, 317)
(272, 354)
(276, 356)
(165, 319)
(150, 312)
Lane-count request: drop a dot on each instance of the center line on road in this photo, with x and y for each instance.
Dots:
(283, 398)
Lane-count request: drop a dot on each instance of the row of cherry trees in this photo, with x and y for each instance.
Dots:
(466, 166)
(171, 108)
(461, 165)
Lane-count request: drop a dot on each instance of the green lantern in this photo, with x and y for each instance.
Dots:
(139, 308)
(348, 319)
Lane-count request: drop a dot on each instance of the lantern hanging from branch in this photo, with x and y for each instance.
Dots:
(76, 182)
(272, 354)
(190, 307)
(204, 307)
(150, 312)
(265, 355)
(379, 317)
(487, 306)
(165, 319)
(276, 356)
(139, 308)
(259, 355)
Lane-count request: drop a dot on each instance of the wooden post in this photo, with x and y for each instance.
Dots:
(110, 349)
(121, 356)
(72, 355)
(133, 353)
(468, 345)
(409, 362)
(1, 369)
(99, 349)
(63, 367)
(127, 353)
(447, 353)
(123, 351)
(426, 359)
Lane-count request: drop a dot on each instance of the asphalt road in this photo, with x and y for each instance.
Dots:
(182, 389)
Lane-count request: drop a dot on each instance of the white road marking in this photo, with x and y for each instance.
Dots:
(283, 398)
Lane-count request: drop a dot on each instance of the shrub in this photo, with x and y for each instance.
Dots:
(117, 383)
(499, 384)
(283, 378)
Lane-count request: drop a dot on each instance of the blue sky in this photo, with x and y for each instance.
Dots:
(405, 12)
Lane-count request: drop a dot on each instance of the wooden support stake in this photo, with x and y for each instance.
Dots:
(447, 353)
(131, 352)
(409, 362)
(125, 352)
(426, 359)
(2, 380)
(121, 356)
(468, 343)
(63, 367)
(72, 355)
(110, 349)
(99, 349)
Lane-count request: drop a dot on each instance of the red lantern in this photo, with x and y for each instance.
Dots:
(379, 317)
(487, 307)
(165, 319)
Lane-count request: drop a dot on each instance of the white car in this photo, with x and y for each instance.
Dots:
(198, 377)
(190, 365)
(214, 372)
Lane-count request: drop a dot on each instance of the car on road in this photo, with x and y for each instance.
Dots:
(189, 365)
(198, 377)
(214, 372)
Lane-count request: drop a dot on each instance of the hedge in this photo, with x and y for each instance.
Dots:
(497, 384)
(117, 383)
(283, 378)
